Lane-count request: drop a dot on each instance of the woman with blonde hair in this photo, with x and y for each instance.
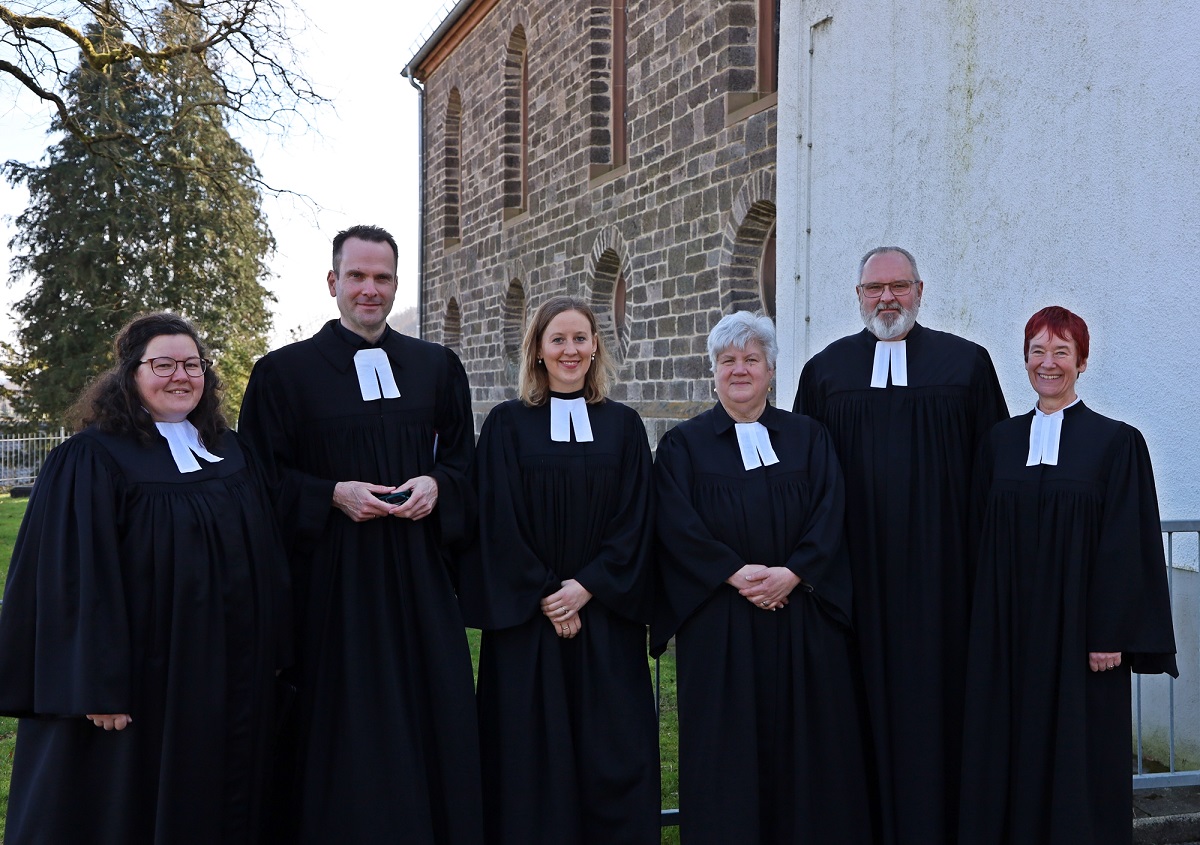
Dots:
(560, 586)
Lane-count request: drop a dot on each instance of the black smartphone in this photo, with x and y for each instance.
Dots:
(397, 498)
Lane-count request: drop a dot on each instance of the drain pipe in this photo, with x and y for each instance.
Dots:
(420, 203)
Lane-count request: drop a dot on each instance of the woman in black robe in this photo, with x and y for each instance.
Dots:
(560, 586)
(1070, 597)
(141, 625)
(756, 591)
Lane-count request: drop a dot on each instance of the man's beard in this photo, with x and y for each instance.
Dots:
(891, 321)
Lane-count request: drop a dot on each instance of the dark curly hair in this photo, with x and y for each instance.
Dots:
(112, 402)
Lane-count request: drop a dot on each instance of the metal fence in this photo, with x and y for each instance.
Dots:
(22, 457)
(1181, 538)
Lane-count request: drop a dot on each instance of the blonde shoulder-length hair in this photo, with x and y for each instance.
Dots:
(534, 384)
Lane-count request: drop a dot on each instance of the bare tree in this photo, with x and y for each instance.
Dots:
(245, 45)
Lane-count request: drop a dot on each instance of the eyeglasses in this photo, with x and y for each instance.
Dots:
(874, 290)
(166, 367)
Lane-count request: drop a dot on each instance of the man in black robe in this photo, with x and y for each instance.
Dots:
(907, 407)
(384, 743)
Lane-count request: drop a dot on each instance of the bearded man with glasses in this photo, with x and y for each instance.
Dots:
(907, 407)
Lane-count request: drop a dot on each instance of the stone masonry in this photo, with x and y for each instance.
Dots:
(661, 246)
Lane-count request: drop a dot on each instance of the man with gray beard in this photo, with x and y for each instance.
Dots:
(907, 407)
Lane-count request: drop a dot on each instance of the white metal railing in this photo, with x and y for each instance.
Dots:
(22, 457)
(1181, 538)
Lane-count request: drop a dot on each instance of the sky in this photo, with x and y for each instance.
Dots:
(358, 161)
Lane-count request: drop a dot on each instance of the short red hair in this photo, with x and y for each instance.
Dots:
(1059, 321)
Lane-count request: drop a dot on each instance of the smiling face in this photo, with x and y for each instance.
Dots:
(1053, 365)
(365, 286)
(172, 398)
(742, 378)
(566, 351)
(888, 316)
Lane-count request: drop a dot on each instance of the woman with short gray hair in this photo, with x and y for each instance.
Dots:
(756, 592)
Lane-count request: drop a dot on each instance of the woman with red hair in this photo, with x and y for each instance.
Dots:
(1070, 596)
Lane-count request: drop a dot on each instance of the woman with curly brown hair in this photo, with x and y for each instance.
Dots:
(143, 613)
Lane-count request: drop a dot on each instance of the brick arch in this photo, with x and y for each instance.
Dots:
(607, 290)
(452, 169)
(751, 221)
(513, 329)
(607, 130)
(452, 326)
(514, 143)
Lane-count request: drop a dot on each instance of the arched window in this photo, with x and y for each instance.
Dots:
(618, 118)
(608, 119)
(747, 275)
(766, 274)
(768, 46)
(452, 326)
(516, 125)
(608, 298)
(514, 330)
(452, 182)
(752, 75)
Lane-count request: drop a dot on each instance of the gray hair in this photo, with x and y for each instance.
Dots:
(881, 249)
(739, 330)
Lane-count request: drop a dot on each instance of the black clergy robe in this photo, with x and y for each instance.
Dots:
(1070, 562)
(135, 588)
(567, 726)
(770, 727)
(907, 454)
(384, 747)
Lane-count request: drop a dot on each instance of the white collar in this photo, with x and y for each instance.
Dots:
(754, 442)
(895, 353)
(568, 413)
(375, 371)
(1045, 436)
(183, 439)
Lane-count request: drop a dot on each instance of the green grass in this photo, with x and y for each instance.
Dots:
(668, 739)
(11, 511)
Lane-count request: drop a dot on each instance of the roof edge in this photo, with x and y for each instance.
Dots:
(459, 21)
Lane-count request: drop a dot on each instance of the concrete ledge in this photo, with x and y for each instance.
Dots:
(1167, 830)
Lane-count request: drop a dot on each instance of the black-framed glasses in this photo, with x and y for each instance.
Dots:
(874, 290)
(165, 367)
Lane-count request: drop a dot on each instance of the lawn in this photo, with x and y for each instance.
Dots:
(11, 511)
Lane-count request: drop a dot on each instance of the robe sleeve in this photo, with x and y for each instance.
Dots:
(619, 574)
(987, 399)
(279, 579)
(1129, 608)
(980, 492)
(65, 645)
(692, 563)
(456, 510)
(808, 395)
(503, 579)
(820, 559)
(303, 501)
